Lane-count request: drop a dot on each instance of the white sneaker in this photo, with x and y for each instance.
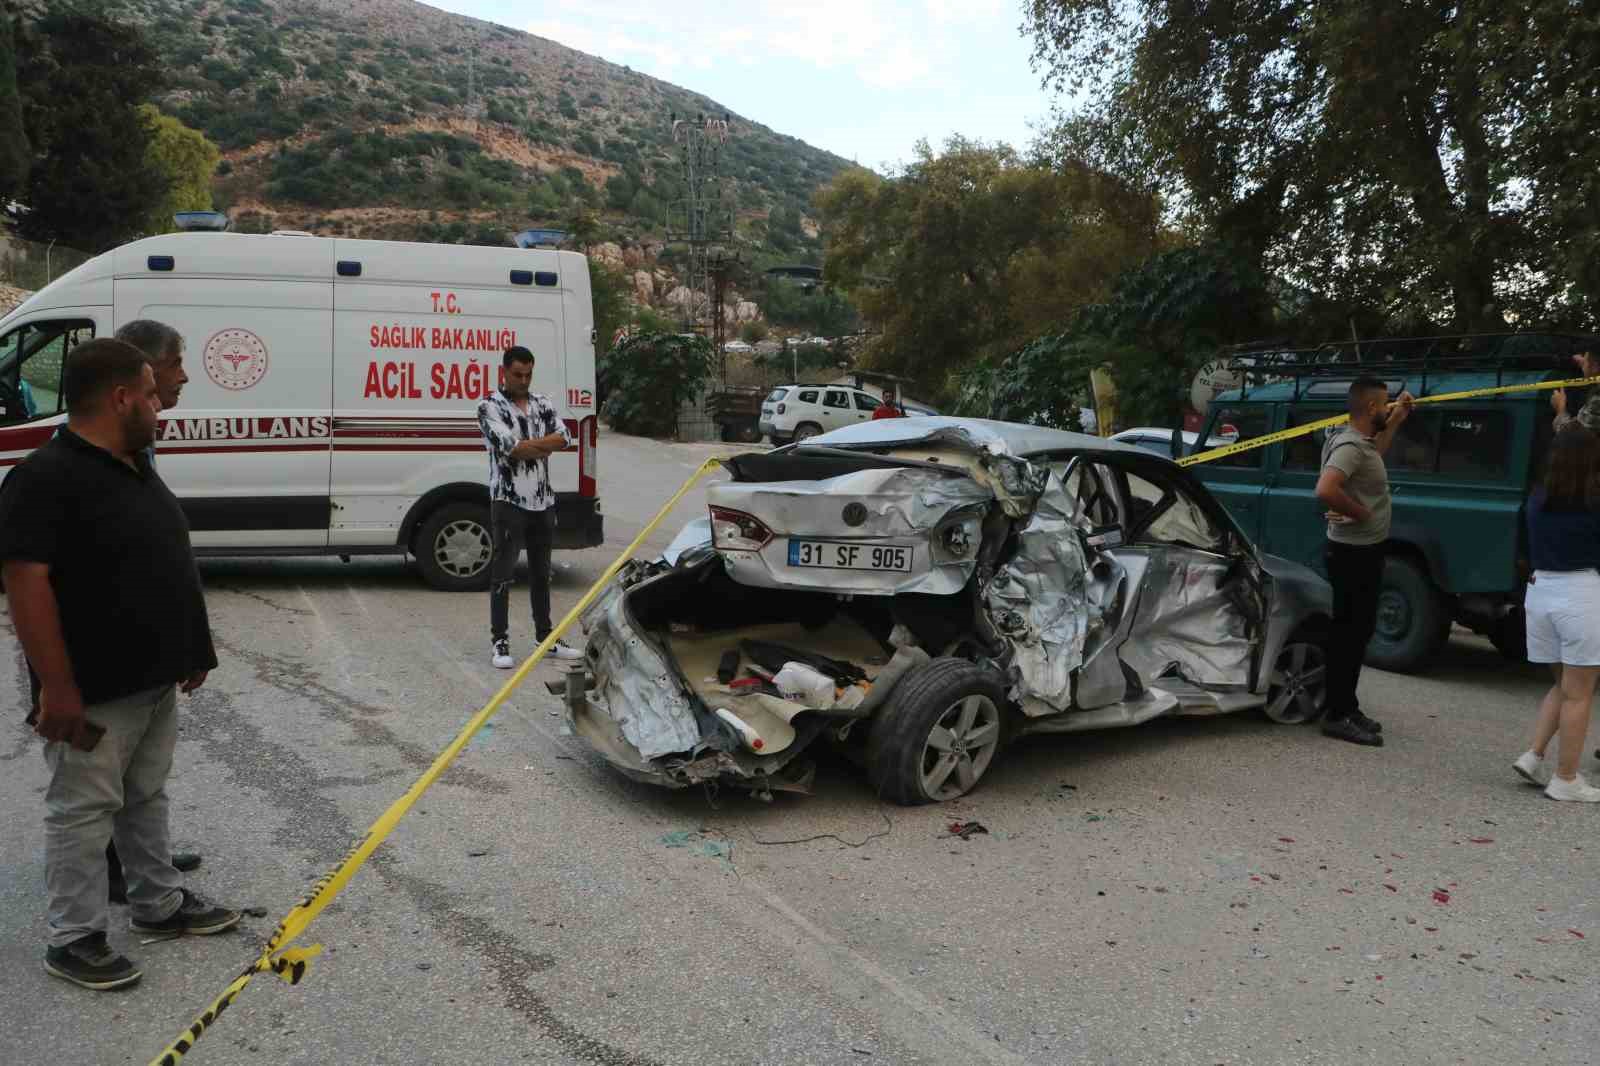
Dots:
(1534, 770)
(502, 655)
(562, 650)
(1577, 790)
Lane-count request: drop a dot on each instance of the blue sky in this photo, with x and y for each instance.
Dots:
(862, 78)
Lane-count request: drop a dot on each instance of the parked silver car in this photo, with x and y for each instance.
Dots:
(954, 584)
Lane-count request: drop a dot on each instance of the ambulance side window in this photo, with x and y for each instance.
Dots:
(31, 357)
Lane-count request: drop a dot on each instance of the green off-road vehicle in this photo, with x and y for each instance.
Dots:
(1460, 472)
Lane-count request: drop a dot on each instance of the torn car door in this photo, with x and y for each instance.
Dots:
(1200, 601)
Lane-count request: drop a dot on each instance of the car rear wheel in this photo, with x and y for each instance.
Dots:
(1413, 623)
(454, 547)
(806, 430)
(941, 731)
(1299, 689)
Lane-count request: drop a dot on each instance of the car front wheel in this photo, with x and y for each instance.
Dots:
(806, 430)
(1299, 687)
(941, 731)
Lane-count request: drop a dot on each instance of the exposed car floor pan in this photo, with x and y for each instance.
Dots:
(698, 654)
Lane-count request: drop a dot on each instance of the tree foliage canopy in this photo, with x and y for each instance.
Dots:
(1432, 158)
(187, 160)
(970, 252)
(15, 152)
(93, 183)
(649, 376)
(1163, 321)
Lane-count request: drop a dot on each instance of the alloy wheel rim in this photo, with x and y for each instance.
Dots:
(960, 747)
(1299, 684)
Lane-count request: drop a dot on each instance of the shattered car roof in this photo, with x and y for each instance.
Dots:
(980, 434)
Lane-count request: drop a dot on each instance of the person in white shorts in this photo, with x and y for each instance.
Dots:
(1563, 609)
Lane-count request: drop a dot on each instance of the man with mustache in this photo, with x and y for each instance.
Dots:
(107, 604)
(1354, 486)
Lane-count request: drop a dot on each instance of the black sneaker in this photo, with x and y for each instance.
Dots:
(194, 917)
(1351, 730)
(90, 963)
(185, 861)
(1371, 725)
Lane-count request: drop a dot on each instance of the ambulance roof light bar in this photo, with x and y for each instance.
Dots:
(201, 221)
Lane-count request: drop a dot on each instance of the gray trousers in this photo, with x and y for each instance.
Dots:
(117, 791)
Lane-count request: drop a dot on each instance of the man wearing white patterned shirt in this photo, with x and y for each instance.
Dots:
(521, 430)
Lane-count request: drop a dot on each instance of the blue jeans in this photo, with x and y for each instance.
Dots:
(117, 792)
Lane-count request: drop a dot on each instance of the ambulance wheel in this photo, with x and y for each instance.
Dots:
(454, 547)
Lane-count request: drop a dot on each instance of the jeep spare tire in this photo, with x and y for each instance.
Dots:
(939, 733)
(1413, 619)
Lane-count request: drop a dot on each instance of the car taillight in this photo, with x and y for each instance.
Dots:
(782, 408)
(736, 531)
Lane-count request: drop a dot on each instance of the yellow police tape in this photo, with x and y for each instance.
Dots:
(1339, 420)
(290, 963)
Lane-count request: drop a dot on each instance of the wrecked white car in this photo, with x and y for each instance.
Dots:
(925, 591)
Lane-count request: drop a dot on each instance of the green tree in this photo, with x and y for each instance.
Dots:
(649, 376)
(15, 152)
(583, 228)
(1165, 318)
(970, 253)
(1398, 155)
(189, 162)
(92, 184)
(612, 309)
(619, 192)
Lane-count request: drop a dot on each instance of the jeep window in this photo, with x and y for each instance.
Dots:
(1178, 519)
(836, 398)
(1235, 424)
(1415, 446)
(809, 396)
(30, 367)
(1473, 444)
(865, 402)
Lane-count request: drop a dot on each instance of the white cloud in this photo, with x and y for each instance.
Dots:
(898, 45)
(610, 44)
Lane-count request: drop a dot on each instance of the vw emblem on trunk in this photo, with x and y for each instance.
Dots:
(854, 514)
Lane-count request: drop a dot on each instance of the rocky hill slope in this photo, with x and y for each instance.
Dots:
(389, 118)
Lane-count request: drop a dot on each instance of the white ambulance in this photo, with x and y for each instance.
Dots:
(333, 386)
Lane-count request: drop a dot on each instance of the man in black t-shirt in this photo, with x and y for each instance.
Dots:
(107, 604)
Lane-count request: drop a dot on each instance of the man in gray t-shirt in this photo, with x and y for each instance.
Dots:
(1354, 486)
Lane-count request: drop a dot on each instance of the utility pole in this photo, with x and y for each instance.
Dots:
(702, 217)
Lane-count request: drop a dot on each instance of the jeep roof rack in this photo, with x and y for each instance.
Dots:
(1261, 363)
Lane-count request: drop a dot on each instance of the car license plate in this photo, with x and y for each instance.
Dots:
(838, 555)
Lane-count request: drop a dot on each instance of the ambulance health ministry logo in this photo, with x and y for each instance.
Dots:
(235, 359)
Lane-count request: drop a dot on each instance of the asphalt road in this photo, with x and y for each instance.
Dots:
(1195, 891)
